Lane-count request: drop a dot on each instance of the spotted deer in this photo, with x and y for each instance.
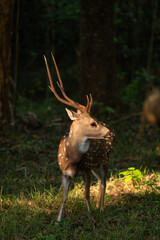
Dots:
(86, 148)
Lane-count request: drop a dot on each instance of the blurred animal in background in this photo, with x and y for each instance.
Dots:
(151, 108)
(30, 121)
(151, 113)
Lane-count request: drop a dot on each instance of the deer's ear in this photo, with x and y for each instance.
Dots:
(72, 115)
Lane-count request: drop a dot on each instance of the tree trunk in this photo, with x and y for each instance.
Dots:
(6, 10)
(97, 51)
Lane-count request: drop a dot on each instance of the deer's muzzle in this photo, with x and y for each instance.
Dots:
(110, 134)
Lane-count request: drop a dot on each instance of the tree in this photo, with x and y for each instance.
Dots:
(97, 50)
(6, 10)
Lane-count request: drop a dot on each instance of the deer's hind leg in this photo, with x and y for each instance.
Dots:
(101, 176)
(87, 179)
(65, 186)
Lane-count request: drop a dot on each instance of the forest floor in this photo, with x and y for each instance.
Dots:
(30, 180)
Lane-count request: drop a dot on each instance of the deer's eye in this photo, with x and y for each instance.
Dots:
(93, 124)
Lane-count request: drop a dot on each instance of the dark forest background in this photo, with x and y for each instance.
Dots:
(42, 27)
(46, 26)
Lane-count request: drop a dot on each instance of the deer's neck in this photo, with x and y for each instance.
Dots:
(77, 141)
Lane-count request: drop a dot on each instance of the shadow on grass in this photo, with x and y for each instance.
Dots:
(129, 216)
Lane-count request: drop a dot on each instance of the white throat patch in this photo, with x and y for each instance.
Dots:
(84, 145)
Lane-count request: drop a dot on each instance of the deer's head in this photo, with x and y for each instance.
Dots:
(83, 124)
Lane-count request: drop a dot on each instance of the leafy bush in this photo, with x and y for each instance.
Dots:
(133, 175)
(103, 108)
(134, 92)
(136, 177)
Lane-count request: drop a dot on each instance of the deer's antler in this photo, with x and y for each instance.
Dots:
(67, 100)
(89, 102)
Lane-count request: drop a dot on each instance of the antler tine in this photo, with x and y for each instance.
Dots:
(91, 99)
(60, 85)
(51, 84)
(57, 71)
(89, 102)
(72, 104)
(87, 106)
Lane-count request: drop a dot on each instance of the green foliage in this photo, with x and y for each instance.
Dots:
(134, 92)
(45, 237)
(136, 177)
(133, 175)
(133, 44)
(43, 109)
(68, 10)
(102, 108)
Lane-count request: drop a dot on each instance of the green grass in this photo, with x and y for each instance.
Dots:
(30, 190)
(128, 214)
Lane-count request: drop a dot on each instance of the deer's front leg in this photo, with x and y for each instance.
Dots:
(65, 186)
(87, 178)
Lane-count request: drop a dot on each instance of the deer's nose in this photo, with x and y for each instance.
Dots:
(110, 134)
